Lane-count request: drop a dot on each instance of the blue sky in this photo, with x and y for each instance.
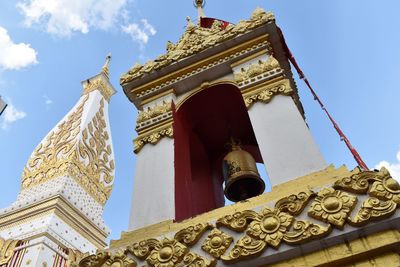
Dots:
(349, 51)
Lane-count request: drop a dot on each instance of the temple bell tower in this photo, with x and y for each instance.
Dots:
(219, 82)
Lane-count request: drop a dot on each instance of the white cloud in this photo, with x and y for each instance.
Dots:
(47, 100)
(393, 168)
(11, 115)
(15, 56)
(140, 33)
(63, 17)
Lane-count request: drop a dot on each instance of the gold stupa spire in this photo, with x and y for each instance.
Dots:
(199, 5)
(105, 68)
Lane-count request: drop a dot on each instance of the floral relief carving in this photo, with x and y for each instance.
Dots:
(269, 226)
(167, 253)
(256, 69)
(217, 243)
(152, 137)
(332, 206)
(373, 209)
(266, 95)
(190, 235)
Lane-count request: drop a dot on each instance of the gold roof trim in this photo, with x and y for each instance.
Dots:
(196, 39)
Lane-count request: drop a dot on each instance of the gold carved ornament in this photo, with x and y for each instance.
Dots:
(152, 112)
(7, 250)
(64, 153)
(98, 84)
(152, 137)
(196, 39)
(266, 94)
(256, 69)
(271, 227)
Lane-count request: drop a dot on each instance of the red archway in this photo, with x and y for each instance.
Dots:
(203, 125)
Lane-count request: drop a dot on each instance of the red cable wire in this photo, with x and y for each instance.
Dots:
(343, 137)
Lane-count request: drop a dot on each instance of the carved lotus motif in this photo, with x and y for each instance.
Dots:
(217, 243)
(167, 254)
(332, 206)
(386, 187)
(270, 226)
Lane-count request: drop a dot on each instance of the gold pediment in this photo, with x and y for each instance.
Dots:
(196, 39)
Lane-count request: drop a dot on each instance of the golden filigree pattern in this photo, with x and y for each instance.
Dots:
(267, 94)
(152, 137)
(256, 69)
(373, 209)
(190, 235)
(153, 112)
(304, 231)
(167, 253)
(244, 248)
(96, 260)
(294, 204)
(270, 225)
(74, 257)
(237, 221)
(119, 259)
(385, 187)
(193, 260)
(82, 154)
(217, 243)
(332, 206)
(95, 151)
(196, 39)
(98, 84)
(7, 250)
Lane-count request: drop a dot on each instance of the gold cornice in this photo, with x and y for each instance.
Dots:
(62, 208)
(265, 92)
(153, 136)
(331, 205)
(196, 39)
(246, 59)
(243, 47)
(158, 96)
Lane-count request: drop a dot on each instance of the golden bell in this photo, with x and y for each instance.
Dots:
(242, 179)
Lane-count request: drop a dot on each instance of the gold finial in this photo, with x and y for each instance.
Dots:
(105, 68)
(199, 5)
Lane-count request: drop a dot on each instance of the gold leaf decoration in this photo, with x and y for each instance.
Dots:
(294, 204)
(267, 94)
(356, 183)
(143, 248)
(304, 231)
(74, 257)
(237, 221)
(270, 226)
(98, 84)
(96, 260)
(190, 235)
(373, 209)
(7, 250)
(256, 69)
(217, 243)
(153, 112)
(332, 206)
(196, 39)
(385, 187)
(167, 253)
(152, 137)
(193, 260)
(119, 259)
(245, 247)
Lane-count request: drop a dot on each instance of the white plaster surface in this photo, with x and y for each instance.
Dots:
(153, 198)
(285, 142)
(52, 225)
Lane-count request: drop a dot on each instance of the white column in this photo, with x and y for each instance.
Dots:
(286, 145)
(153, 198)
